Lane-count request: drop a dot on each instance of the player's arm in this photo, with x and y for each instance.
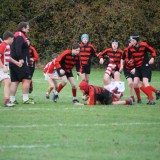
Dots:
(153, 53)
(36, 56)
(18, 46)
(19, 64)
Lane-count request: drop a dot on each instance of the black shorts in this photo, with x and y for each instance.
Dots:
(32, 70)
(128, 74)
(144, 72)
(19, 73)
(86, 69)
(67, 74)
(106, 97)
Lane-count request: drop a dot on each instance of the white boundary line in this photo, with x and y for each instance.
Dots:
(80, 125)
(69, 108)
(4, 147)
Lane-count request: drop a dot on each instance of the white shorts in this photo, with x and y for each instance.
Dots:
(47, 77)
(3, 75)
(115, 84)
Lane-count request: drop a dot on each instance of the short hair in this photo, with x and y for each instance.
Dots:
(22, 25)
(54, 55)
(7, 35)
(75, 45)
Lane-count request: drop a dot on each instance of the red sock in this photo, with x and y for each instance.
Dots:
(74, 91)
(148, 92)
(127, 102)
(153, 89)
(150, 97)
(31, 84)
(59, 87)
(132, 98)
(137, 93)
(6, 100)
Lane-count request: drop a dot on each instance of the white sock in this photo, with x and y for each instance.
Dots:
(25, 97)
(56, 93)
(74, 98)
(12, 98)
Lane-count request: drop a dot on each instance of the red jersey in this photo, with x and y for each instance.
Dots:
(85, 53)
(67, 61)
(128, 64)
(5, 53)
(33, 54)
(140, 53)
(49, 68)
(115, 56)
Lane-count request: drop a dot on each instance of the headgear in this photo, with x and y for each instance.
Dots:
(135, 36)
(84, 86)
(84, 36)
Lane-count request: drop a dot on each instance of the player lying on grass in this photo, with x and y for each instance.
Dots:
(98, 95)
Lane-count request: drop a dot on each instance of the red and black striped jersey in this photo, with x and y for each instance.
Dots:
(128, 64)
(115, 56)
(140, 53)
(95, 94)
(67, 61)
(33, 54)
(86, 52)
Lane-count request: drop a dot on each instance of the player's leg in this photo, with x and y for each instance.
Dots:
(74, 89)
(131, 87)
(50, 87)
(117, 76)
(60, 87)
(7, 83)
(136, 88)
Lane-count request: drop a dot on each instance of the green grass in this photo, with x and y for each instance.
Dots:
(62, 131)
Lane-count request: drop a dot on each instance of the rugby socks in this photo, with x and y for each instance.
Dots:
(74, 91)
(25, 97)
(109, 69)
(132, 98)
(127, 102)
(6, 100)
(59, 88)
(153, 89)
(137, 91)
(31, 84)
(148, 92)
(12, 99)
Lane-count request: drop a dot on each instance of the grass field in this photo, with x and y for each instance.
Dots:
(62, 131)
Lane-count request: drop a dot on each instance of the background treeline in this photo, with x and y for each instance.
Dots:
(56, 24)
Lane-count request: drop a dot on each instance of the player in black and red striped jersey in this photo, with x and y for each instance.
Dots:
(64, 65)
(86, 53)
(129, 70)
(114, 54)
(139, 52)
(98, 95)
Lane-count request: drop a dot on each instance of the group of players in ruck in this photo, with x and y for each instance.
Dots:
(133, 60)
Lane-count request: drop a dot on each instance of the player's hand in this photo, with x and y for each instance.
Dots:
(31, 59)
(4, 69)
(85, 97)
(133, 71)
(62, 72)
(19, 64)
(21, 61)
(151, 61)
(121, 69)
(101, 61)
